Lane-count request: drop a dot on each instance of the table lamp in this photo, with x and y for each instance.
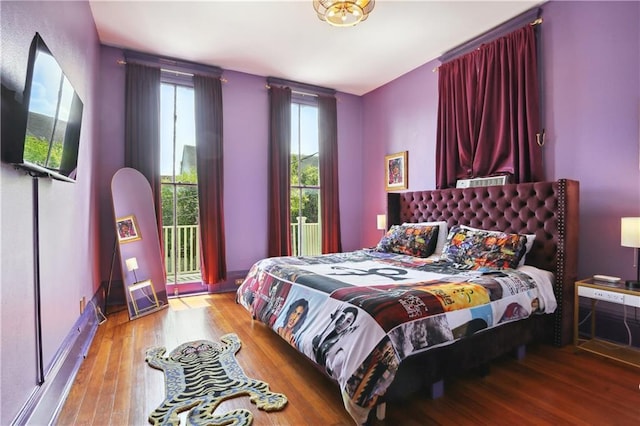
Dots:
(132, 265)
(630, 237)
(382, 223)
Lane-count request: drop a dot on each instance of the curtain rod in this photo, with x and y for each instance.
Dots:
(537, 21)
(300, 88)
(187, 74)
(297, 92)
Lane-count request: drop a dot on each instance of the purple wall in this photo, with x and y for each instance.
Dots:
(400, 116)
(592, 87)
(592, 71)
(69, 254)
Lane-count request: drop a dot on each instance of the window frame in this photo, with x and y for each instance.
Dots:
(303, 99)
(186, 81)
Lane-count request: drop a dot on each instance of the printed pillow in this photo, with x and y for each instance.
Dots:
(443, 231)
(530, 239)
(472, 248)
(418, 241)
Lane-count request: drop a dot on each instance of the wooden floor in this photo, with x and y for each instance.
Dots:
(549, 386)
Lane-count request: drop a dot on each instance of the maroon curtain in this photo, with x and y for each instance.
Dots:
(279, 165)
(456, 121)
(142, 128)
(329, 196)
(494, 90)
(209, 158)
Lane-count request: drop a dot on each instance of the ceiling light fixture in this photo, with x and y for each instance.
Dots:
(343, 13)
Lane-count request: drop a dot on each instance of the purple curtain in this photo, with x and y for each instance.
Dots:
(329, 196)
(488, 112)
(279, 165)
(209, 158)
(456, 121)
(142, 128)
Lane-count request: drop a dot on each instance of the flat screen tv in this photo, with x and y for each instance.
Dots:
(52, 110)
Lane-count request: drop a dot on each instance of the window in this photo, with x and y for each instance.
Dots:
(305, 180)
(179, 185)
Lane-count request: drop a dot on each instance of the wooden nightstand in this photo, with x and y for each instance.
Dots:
(612, 293)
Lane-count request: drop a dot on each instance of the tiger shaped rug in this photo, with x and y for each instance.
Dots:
(199, 375)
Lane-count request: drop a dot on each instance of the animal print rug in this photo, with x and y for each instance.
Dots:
(199, 375)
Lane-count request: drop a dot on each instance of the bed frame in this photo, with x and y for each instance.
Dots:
(547, 209)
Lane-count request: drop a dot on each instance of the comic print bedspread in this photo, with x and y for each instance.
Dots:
(359, 314)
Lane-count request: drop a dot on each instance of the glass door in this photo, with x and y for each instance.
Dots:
(179, 185)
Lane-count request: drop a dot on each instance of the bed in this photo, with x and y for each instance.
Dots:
(419, 307)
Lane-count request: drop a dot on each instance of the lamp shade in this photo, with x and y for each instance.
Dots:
(132, 264)
(630, 232)
(382, 221)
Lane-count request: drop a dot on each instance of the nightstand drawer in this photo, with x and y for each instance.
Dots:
(632, 300)
(596, 293)
(609, 296)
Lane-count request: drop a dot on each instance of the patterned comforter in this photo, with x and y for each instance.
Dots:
(359, 314)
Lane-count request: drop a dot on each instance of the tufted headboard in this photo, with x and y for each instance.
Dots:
(547, 209)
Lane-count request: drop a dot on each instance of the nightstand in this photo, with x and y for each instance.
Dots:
(612, 293)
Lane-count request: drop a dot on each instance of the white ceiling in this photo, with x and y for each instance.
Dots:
(285, 39)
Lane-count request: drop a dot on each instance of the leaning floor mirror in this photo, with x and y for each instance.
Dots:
(138, 244)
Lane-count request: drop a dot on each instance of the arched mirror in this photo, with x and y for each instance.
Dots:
(138, 243)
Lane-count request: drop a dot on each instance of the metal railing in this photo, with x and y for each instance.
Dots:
(309, 243)
(185, 239)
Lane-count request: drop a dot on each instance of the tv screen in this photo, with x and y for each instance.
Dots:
(53, 117)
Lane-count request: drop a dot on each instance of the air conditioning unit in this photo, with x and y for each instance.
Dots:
(482, 181)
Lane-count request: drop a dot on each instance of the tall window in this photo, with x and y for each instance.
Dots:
(305, 180)
(179, 185)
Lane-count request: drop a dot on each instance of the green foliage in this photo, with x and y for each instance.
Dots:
(306, 199)
(189, 176)
(310, 205)
(310, 174)
(186, 199)
(36, 149)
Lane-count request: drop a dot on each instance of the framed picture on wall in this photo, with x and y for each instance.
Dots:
(396, 171)
(127, 229)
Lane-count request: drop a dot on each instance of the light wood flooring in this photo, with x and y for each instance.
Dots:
(549, 386)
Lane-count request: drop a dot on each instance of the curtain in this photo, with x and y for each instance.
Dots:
(209, 159)
(329, 196)
(279, 165)
(142, 128)
(456, 122)
(488, 112)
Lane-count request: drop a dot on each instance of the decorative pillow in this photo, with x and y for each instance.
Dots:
(443, 231)
(474, 248)
(419, 241)
(530, 239)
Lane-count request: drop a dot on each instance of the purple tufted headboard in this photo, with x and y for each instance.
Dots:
(547, 209)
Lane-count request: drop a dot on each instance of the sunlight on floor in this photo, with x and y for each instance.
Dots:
(189, 302)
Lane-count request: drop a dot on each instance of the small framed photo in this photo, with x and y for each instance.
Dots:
(396, 171)
(127, 229)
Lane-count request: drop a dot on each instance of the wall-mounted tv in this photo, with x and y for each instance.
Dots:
(48, 144)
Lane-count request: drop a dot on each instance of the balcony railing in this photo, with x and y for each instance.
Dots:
(307, 244)
(187, 244)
